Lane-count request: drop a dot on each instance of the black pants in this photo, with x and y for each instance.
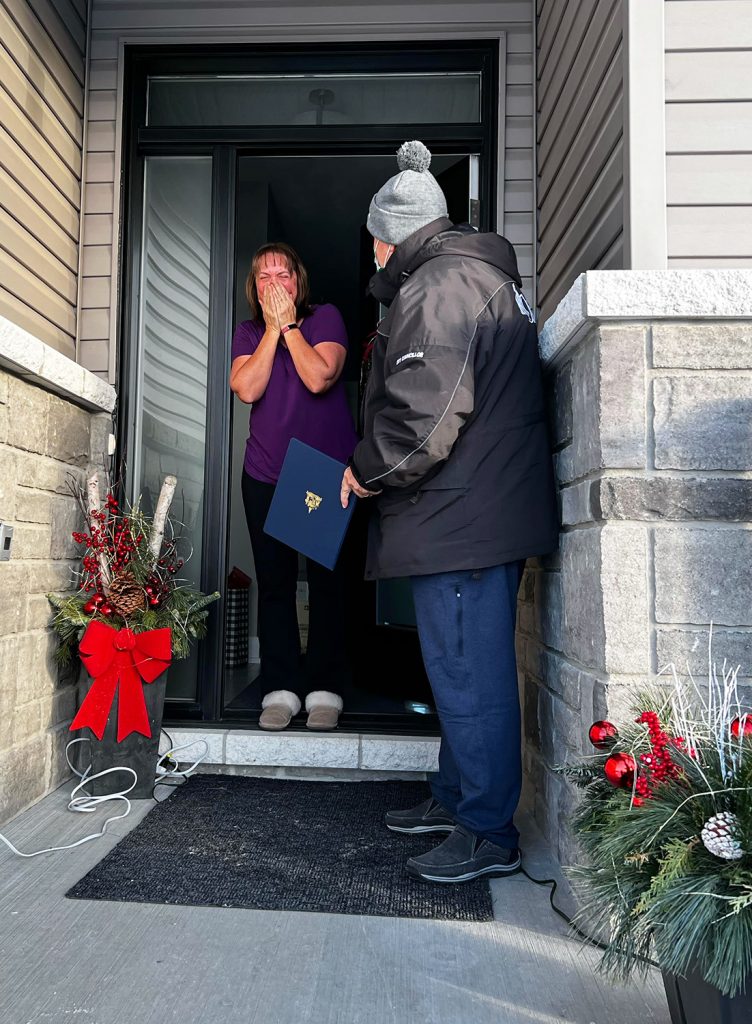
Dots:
(325, 664)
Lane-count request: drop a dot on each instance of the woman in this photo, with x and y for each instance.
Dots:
(287, 361)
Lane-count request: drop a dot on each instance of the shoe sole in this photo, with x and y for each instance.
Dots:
(497, 871)
(415, 829)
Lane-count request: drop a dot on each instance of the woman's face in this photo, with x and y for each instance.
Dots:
(273, 267)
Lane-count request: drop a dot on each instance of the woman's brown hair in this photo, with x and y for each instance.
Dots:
(294, 265)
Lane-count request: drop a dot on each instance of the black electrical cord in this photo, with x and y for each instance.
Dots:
(164, 782)
(565, 917)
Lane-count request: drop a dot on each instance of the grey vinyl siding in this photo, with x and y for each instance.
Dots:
(42, 65)
(115, 22)
(709, 133)
(580, 130)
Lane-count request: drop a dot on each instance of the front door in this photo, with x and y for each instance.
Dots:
(220, 163)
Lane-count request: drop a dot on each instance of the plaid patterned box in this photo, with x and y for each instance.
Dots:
(237, 626)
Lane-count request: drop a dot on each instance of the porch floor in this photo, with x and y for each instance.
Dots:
(118, 963)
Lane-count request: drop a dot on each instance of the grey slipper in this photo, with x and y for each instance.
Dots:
(278, 707)
(323, 710)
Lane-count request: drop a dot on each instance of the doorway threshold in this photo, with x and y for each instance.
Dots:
(335, 750)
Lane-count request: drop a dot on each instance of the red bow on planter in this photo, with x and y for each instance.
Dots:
(120, 656)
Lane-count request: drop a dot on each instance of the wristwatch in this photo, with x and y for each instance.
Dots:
(289, 327)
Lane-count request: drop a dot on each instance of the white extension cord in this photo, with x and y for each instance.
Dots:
(86, 803)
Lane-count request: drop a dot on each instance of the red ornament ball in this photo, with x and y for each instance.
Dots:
(742, 726)
(89, 608)
(105, 608)
(603, 735)
(620, 770)
(98, 599)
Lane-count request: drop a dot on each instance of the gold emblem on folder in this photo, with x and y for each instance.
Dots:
(312, 501)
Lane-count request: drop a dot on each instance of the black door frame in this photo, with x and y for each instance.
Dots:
(225, 145)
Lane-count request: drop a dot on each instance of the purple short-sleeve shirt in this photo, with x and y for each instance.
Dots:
(287, 408)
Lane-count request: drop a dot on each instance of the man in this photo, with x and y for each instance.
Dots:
(456, 446)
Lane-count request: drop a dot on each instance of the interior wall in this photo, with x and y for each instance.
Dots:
(117, 22)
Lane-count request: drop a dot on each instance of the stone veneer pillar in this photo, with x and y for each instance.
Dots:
(55, 419)
(650, 386)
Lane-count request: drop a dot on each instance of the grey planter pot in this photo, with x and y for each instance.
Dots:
(692, 1001)
(135, 751)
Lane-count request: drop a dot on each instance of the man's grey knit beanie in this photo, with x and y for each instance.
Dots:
(409, 200)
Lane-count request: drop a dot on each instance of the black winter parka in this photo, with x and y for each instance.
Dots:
(455, 433)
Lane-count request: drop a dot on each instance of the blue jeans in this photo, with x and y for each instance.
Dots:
(466, 624)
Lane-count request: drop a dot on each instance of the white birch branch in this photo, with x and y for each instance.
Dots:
(160, 515)
(94, 502)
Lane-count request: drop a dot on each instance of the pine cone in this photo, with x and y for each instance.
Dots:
(126, 596)
(719, 836)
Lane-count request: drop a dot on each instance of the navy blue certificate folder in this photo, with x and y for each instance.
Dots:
(306, 512)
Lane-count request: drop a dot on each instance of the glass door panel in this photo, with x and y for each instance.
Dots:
(172, 361)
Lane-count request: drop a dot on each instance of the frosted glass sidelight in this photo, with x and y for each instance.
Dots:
(172, 355)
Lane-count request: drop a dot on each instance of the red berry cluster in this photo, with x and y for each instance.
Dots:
(160, 583)
(112, 535)
(109, 535)
(98, 603)
(658, 762)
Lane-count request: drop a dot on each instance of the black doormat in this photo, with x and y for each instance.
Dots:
(277, 844)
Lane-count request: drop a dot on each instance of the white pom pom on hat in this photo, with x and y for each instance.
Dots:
(413, 156)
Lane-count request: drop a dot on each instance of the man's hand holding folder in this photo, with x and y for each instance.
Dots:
(351, 485)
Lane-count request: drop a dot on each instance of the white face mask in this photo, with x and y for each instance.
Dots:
(378, 266)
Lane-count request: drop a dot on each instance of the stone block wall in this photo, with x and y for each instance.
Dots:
(652, 428)
(45, 441)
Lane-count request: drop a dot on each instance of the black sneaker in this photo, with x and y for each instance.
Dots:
(429, 816)
(463, 856)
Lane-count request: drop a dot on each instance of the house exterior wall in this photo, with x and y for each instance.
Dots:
(580, 143)
(54, 426)
(709, 132)
(650, 388)
(41, 137)
(118, 22)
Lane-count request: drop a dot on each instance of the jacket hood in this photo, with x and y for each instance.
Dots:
(442, 238)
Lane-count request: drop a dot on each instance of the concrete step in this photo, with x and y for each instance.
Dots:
(337, 750)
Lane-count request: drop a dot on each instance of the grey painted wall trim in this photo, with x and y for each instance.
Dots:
(608, 295)
(645, 244)
(30, 358)
(708, 102)
(580, 144)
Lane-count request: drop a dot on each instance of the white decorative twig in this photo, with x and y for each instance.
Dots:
(160, 516)
(93, 503)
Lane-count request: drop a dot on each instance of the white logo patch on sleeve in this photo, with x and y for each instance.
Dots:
(409, 355)
(523, 305)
